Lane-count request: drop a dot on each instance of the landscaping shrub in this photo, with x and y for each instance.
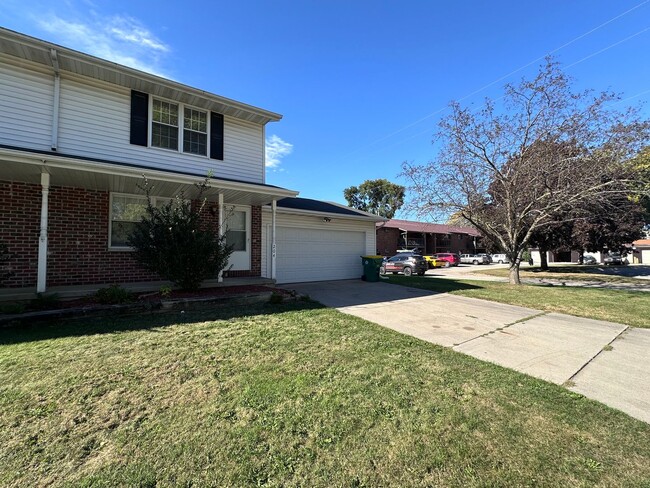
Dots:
(173, 241)
(45, 302)
(12, 308)
(114, 295)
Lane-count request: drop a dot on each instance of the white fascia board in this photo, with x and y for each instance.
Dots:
(332, 215)
(55, 161)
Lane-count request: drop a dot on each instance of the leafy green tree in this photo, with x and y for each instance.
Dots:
(379, 197)
(176, 241)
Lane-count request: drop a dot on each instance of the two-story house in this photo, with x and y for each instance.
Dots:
(77, 134)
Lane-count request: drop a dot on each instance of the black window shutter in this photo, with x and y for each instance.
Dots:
(216, 136)
(139, 118)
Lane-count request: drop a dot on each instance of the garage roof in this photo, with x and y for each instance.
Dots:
(318, 206)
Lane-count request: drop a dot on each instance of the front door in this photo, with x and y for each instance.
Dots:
(238, 235)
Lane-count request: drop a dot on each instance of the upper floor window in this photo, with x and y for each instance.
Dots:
(164, 125)
(175, 126)
(195, 131)
(166, 122)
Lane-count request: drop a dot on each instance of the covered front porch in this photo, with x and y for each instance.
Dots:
(57, 220)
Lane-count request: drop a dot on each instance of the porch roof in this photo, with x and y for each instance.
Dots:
(27, 166)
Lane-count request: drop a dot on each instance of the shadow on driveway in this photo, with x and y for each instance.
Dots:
(349, 293)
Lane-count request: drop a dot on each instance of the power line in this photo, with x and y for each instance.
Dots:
(442, 109)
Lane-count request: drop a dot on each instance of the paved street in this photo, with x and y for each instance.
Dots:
(604, 361)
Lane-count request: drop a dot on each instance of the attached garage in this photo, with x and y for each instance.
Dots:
(316, 241)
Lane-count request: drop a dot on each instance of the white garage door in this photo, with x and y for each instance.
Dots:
(318, 255)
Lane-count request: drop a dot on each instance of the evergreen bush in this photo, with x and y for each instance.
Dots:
(175, 241)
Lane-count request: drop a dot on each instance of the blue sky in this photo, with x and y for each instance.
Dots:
(361, 84)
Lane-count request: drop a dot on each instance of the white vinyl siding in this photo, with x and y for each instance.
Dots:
(94, 122)
(309, 249)
(26, 104)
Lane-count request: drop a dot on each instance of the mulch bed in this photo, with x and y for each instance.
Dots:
(155, 297)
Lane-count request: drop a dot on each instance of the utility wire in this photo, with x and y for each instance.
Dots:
(442, 109)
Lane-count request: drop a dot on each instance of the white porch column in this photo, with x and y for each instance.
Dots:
(220, 279)
(274, 206)
(42, 239)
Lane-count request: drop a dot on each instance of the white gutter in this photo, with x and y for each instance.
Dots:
(274, 206)
(41, 280)
(221, 231)
(57, 98)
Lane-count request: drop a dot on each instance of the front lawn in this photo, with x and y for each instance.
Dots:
(621, 306)
(289, 395)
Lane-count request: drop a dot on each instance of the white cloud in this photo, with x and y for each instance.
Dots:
(276, 150)
(123, 40)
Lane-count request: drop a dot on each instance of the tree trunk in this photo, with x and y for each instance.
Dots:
(543, 256)
(513, 274)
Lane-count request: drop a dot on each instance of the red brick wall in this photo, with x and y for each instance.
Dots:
(20, 216)
(78, 251)
(387, 241)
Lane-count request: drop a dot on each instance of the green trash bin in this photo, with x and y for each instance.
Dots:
(371, 265)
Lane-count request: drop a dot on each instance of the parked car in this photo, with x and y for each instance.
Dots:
(500, 258)
(434, 262)
(589, 260)
(450, 259)
(488, 256)
(406, 263)
(614, 258)
(474, 259)
(431, 261)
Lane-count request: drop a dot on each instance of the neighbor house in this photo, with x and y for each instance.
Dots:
(78, 133)
(397, 234)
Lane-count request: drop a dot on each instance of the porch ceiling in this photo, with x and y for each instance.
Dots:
(116, 178)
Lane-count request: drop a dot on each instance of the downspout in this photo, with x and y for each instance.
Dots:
(41, 280)
(220, 278)
(56, 102)
(274, 205)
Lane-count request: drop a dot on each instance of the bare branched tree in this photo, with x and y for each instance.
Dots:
(514, 169)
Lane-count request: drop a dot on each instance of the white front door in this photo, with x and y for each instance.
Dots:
(238, 235)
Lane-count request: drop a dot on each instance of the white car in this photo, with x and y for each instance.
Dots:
(474, 259)
(500, 258)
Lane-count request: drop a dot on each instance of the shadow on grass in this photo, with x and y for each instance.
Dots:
(625, 271)
(78, 327)
(439, 285)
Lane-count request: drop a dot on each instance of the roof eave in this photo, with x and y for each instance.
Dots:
(37, 50)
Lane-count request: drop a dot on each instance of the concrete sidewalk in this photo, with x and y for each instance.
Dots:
(602, 360)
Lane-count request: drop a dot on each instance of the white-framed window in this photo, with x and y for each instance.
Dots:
(125, 212)
(169, 119)
(236, 230)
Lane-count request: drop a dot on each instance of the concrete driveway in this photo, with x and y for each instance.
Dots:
(602, 360)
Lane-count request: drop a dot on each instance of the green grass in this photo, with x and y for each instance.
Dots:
(568, 273)
(621, 306)
(290, 395)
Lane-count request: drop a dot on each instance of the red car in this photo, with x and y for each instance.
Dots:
(449, 258)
